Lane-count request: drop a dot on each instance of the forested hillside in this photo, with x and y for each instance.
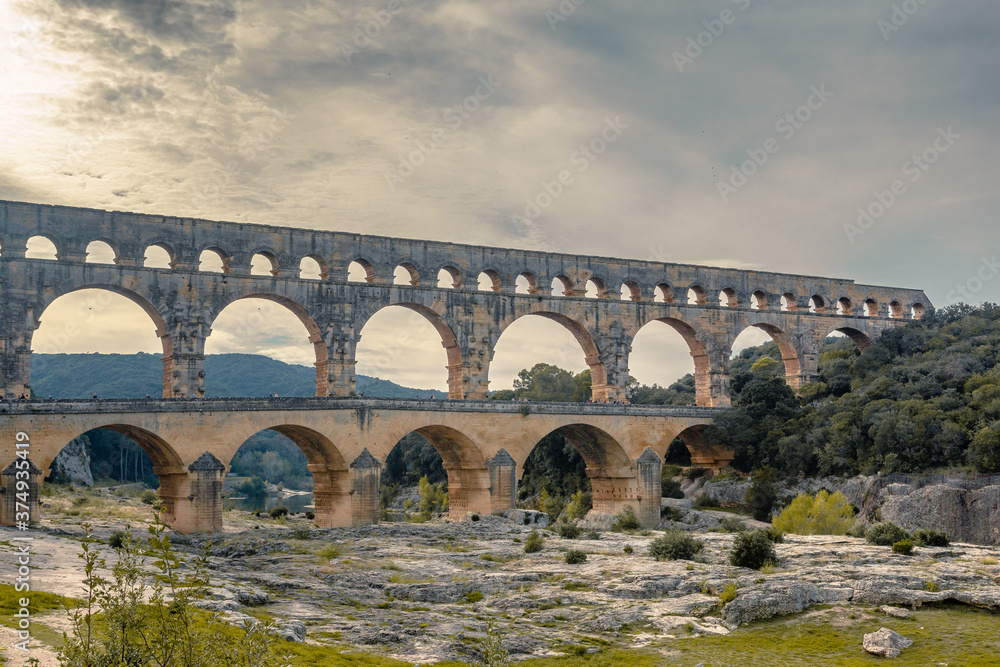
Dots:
(924, 396)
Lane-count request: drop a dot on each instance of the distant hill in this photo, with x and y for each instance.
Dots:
(135, 375)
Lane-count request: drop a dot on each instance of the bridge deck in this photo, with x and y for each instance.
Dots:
(179, 405)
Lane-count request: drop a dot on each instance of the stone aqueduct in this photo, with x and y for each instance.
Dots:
(709, 307)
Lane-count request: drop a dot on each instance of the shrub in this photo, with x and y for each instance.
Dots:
(579, 504)
(625, 521)
(329, 552)
(569, 531)
(628, 549)
(473, 597)
(433, 497)
(575, 557)
(300, 533)
(823, 515)
(931, 587)
(534, 543)
(253, 487)
(753, 550)
(930, 538)
(80, 501)
(728, 594)
(703, 500)
(310, 515)
(885, 534)
(671, 513)
(732, 525)
(671, 488)
(775, 535)
(903, 547)
(117, 539)
(694, 473)
(675, 545)
(858, 530)
(762, 494)
(148, 497)
(278, 512)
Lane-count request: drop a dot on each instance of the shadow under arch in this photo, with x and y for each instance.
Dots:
(699, 354)
(789, 353)
(312, 328)
(449, 340)
(703, 453)
(860, 338)
(598, 373)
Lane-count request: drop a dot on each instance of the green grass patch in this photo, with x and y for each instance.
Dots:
(40, 603)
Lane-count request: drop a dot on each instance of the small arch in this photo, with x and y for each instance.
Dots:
(918, 311)
(701, 452)
(758, 300)
(597, 447)
(663, 293)
(789, 302)
(264, 264)
(728, 298)
(312, 267)
(844, 306)
(817, 304)
(895, 309)
(526, 283)
(631, 291)
(41, 247)
(449, 278)
(406, 274)
(696, 296)
(159, 256)
(360, 271)
(871, 308)
(213, 260)
(562, 286)
(489, 281)
(101, 252)
(596, 289)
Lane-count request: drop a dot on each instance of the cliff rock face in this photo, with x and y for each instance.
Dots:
(72, 465)
(966, 515)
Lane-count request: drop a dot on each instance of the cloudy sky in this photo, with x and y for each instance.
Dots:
(443, 120)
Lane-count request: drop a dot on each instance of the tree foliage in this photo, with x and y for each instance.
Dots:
(825, 514)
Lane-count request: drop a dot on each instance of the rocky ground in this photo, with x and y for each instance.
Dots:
(423, 592)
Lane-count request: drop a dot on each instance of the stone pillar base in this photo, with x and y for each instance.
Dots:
(650, 488)
(22, 491)
(503, 483)
(366, 472)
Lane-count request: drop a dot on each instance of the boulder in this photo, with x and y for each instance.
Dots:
(72, 465)
(897, 612)
(885, 642)
(293, 631)
(252, 598)
(970, 516)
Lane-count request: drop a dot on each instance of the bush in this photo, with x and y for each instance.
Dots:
(625, 521)
(278, 512)
(575, 557)
(534, 543)
(694, 473)
(703, 500)
(579, 504)
(753, 550)
(329, 552)
(593, 535)
(728, 594)
(930, 538)
(568, 531)
(885, 534)
(858, 530)
(118, 539)
(310, 515)
(775, 535)
(253, 488)
(675, 545)
(671, 488)
(671, 513)
(300, 533)
(628, 549)
(762, 494)
(732, 525)
(903, 547)
(433, 497)
(148, 497)
(823, 515)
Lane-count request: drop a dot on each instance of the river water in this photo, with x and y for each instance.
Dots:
(297, 503)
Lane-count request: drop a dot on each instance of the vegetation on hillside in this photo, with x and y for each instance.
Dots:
(924, 396)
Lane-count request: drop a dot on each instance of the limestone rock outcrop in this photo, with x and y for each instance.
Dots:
(885, 642)
(72, 465)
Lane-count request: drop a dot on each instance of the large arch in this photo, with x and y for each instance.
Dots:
(703, 452)
(586, 342)
(860, 338)
(445, 331)
(789, 351)
(699, 354)
(253, 321)
(70, 328)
